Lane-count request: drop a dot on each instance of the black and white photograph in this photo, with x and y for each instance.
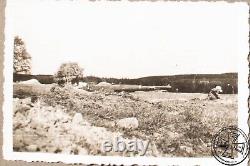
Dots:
(142, 82)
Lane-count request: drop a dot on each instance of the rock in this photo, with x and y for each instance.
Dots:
(85, 123)
(187, 149)
(157, 135)
(77, 119)
(66, 126)
(34, 99)
(82, 84)
(66, 150)
(58, 150)
(128, 123)
(32, 148)
(22, 109)
(26, 101)
(82, 151)
(19, 120)
(110, 123)
(15, 100)
(18, 140)
(60, 115)
(173, 135)
(51, 149)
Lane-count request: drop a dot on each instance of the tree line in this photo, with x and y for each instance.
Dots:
(72, 73)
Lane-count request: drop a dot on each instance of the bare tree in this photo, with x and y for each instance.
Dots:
(22, 59)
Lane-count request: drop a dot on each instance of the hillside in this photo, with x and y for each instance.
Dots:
(184, 83)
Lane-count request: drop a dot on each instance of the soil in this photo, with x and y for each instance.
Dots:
(175, 124)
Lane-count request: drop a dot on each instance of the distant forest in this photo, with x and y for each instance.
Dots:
(191, 83)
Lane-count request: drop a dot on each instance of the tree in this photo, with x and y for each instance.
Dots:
(69, 73)
(22, 59)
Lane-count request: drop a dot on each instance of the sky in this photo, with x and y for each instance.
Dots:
(131, 40)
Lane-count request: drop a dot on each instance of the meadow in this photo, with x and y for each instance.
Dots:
(176, 124)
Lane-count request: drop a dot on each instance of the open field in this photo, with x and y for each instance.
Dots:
(131, 88)
(176, 124)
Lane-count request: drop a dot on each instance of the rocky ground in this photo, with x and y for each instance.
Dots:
(38, 127)
(74, 121)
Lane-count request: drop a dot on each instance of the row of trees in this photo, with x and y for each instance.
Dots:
(67, 72)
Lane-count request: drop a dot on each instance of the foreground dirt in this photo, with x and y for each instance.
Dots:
(74, 121)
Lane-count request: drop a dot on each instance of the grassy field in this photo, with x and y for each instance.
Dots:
(26, 90)
(177, 124)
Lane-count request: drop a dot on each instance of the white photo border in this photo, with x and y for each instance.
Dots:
(243, 94)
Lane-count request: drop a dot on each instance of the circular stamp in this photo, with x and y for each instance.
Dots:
(230, 146)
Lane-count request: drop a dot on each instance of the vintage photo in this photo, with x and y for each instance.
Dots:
(156, 80)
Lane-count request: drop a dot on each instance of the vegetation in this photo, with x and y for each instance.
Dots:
(177, 124)
(199, 83)
(22, 59)
(69, 73)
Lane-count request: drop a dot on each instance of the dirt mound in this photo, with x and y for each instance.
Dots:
(154, 119)
(32, 81)
(175, 127)
(104, 84)
(43, 128)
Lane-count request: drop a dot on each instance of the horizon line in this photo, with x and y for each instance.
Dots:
(142, 76)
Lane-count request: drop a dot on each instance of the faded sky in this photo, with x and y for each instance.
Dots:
(124, 39)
